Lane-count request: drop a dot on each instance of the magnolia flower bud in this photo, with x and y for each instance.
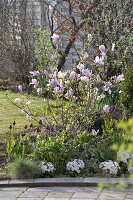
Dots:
(55, 38)
(102, 48)
(80, 66)
(106, 108)
(20, 88)
(89, 37)
(34, 82)
(35, 73)
(113, 46)
(99, 60)
(39, 91)
(73, 75)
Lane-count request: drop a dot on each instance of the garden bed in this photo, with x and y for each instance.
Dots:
(80, 124)
(74, 134)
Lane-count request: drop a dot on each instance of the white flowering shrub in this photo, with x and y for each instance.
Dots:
(46, 167)
(75, 166)
(130, 170)
(124, 156)
(109, 167)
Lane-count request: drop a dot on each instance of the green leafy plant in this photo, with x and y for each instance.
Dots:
(127, 91)
(24, 168)
(18, 145)
(51, 148)
(44, 50)
(103, 153)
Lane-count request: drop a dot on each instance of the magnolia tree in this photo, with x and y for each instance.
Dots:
(80, 92)
(77, 127)
(108, 22)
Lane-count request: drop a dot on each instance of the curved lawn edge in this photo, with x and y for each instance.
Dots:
(63, 182)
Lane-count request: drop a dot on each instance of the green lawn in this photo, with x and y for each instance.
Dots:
(9, 112)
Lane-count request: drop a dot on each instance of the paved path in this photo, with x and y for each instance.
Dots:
(64, 193)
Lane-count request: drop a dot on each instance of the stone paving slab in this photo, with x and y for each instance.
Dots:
(12, 195)
(112, 196)
(130, 196)
(60, 194)
(30, 198)
(83, 199)
(56, 198)
(42, 189)
(85, 195)
(35, 194)
(10, 198)
(66, 189)
(64, 193)
(129, 199)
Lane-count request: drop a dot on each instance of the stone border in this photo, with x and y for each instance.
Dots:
(63, 182)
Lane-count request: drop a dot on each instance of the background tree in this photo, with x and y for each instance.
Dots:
(109, 21)
(16, 38)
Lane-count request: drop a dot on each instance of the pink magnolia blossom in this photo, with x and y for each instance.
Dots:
(126, 50)
(114, 78)
(104, 55)
(106, 108)
(53, 82)
(20, 88)
(84, 79)
(113, 46)
(80, 66)
(70, 93)
(61, 75)
(73, 75)
(45, 72)
(120, 78)
(55, 38)
(86, 55)
(34, 82)
(55, 74)
(39, 91)
(59, 89)
(35, 73)
(87, 72)
(98, 78)
(107, 86)
(89, 37)
(102, 48)
(99, 60)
